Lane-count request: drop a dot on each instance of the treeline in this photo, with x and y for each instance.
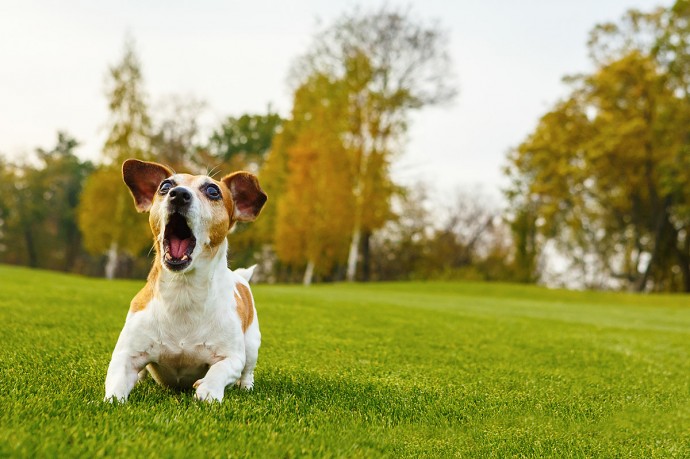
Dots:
(602, 185)
(334, 212)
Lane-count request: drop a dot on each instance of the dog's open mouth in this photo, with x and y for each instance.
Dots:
(178, 243)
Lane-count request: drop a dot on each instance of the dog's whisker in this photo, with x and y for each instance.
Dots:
(213, 171)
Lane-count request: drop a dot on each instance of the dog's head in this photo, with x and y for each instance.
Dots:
(191, 215)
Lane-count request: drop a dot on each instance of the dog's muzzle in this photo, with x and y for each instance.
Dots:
(180, 198)
(178, 243)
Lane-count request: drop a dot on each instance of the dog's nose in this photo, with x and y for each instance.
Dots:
(180, 197)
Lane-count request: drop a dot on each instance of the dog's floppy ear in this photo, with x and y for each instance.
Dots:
(143, 179)
(247, 195)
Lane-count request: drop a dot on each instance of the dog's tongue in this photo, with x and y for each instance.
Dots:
(178, 246)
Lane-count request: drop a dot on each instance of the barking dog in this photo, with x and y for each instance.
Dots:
(194, 323)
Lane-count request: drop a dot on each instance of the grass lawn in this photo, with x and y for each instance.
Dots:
(380, 370)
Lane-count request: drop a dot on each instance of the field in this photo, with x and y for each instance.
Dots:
(380, 370)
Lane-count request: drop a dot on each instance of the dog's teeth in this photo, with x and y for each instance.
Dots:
(185, 258)
(167, 256)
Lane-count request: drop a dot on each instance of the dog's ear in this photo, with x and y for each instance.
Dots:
(247, 195)
(143, 179)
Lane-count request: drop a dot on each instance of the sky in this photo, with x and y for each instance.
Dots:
(509, 58)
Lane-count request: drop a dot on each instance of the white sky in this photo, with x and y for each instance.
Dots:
(509, 58)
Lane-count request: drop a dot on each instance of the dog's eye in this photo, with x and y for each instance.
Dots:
(213, 192)
(165, 187)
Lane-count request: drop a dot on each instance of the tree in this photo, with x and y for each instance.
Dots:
(388, 64)
(175, 135)
(400, 248)
(604, 174)
(130, 124)
(243, 142)
(107, 218)
(38, 206)
(312, 219)
(63, 176)
(463, 239)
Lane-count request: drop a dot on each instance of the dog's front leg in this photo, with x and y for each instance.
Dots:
(123, 373)
(221, 374)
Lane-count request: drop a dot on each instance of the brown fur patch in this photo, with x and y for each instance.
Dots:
(222, 216)
(227, 200)
(221, 224)
(143, 298)
(245, 305)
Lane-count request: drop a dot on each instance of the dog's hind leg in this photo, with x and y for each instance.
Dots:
(142, 374)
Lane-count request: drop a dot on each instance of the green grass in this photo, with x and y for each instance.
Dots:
(380, 370)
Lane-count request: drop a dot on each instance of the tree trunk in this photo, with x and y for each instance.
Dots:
(366, 256)
(30, 248)
(685, 272)
(352, 257)
(683, 254)
(661, 225)
(308, 273)
(73, 244)
(111, 264)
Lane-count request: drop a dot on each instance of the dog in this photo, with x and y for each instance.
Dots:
(194, 324)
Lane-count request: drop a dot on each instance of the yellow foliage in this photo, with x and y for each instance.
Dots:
(106, 215)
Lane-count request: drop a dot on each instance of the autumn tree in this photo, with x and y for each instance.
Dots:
(107, 218)
(386, 64)
(313, 214)
(243, 143)
(604, 174)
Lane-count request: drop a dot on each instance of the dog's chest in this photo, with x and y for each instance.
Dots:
(180, 363)
(184, 346)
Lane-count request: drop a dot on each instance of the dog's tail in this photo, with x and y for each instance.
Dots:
(245, 273)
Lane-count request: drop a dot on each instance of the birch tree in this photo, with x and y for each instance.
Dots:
(106, 211)
(390, 64)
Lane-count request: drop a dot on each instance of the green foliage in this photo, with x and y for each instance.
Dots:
(604, 174)
(385, 370)
(38, 201)
(243, 142)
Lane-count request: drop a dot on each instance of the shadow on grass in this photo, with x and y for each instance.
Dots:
(313, 396)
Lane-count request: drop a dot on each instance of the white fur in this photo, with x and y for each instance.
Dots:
(190, 333)
(246, 273)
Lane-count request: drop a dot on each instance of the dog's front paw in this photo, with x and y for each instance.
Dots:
(247, 382)
(207, 393)
(113, 399)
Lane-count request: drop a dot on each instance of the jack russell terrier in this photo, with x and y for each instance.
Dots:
(194, 323)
